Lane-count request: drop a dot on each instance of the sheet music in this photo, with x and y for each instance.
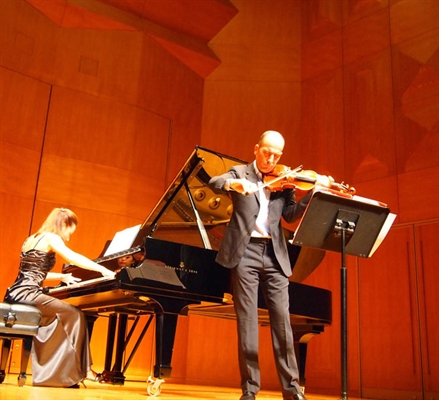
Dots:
(369, 201)
(122, 240)
(384, 230)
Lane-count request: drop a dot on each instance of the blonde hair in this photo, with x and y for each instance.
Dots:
(58, 219)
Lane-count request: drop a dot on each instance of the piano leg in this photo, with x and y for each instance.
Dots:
(300, 349)
(301, 339)
(111, 333)
(166, 326)
(118, 376)
(114, 375)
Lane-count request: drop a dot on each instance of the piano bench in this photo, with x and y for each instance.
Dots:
(17, 321)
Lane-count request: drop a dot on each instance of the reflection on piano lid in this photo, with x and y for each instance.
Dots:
(189, 212)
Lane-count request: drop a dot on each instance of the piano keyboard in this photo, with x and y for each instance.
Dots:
(119, 254)
(86, 283)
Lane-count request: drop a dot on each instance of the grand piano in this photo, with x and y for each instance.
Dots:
(178, 276)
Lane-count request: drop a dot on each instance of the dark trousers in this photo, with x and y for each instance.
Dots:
(259, 267)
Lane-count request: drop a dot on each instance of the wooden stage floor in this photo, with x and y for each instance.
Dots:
(9, 390)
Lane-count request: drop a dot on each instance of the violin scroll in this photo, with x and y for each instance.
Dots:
(343, 188)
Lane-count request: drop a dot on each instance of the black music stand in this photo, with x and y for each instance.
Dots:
(349, 225)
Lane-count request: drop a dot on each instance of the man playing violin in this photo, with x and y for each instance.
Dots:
(255, 249)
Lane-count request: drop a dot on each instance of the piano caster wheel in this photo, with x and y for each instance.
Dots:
(154, 387)
(21, 380)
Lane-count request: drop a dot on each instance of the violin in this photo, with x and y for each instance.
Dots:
(283, 177)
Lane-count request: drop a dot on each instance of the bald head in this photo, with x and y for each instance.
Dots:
(269, 150)
(272, 137)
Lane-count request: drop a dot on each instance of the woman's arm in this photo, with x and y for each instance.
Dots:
(66, 278)
(58, 246)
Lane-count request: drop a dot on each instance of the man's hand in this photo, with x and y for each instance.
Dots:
(324, 180)
(243, 186)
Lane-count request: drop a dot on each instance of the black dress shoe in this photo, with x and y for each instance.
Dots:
(299, 396)
(248, 396)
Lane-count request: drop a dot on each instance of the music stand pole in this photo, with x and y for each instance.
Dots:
(341, 228)
(344, 336)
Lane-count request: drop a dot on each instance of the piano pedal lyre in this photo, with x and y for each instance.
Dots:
(154, 387)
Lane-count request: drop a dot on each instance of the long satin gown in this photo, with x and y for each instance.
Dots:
(60, 352)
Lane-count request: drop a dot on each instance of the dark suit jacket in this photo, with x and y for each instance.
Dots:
(245, 212)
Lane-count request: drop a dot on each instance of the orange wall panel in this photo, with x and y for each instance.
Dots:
(320, 18)
(171, 90)
(418, 194)
(269, 105)
(213, 359)
(428, 275)
(15, 214)
(19, 170)
(417, 148)
(101, 62)
(23, 103)
(322, 55)
(415, 69)
(28, 41)
(320, 142)
(369, 125)
(409, 18)
(387, 299)
(257, 60)
(366, 36)
(252, 45)
(354, 10)
(106, 132)
(96, 187)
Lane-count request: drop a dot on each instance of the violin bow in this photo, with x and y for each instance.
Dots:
(274, 180)
(278, 178)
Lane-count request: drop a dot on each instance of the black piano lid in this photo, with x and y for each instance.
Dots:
(189, 203)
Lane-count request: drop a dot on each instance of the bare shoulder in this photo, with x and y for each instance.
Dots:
(52, 239)
(51, 236)
(42, 242)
